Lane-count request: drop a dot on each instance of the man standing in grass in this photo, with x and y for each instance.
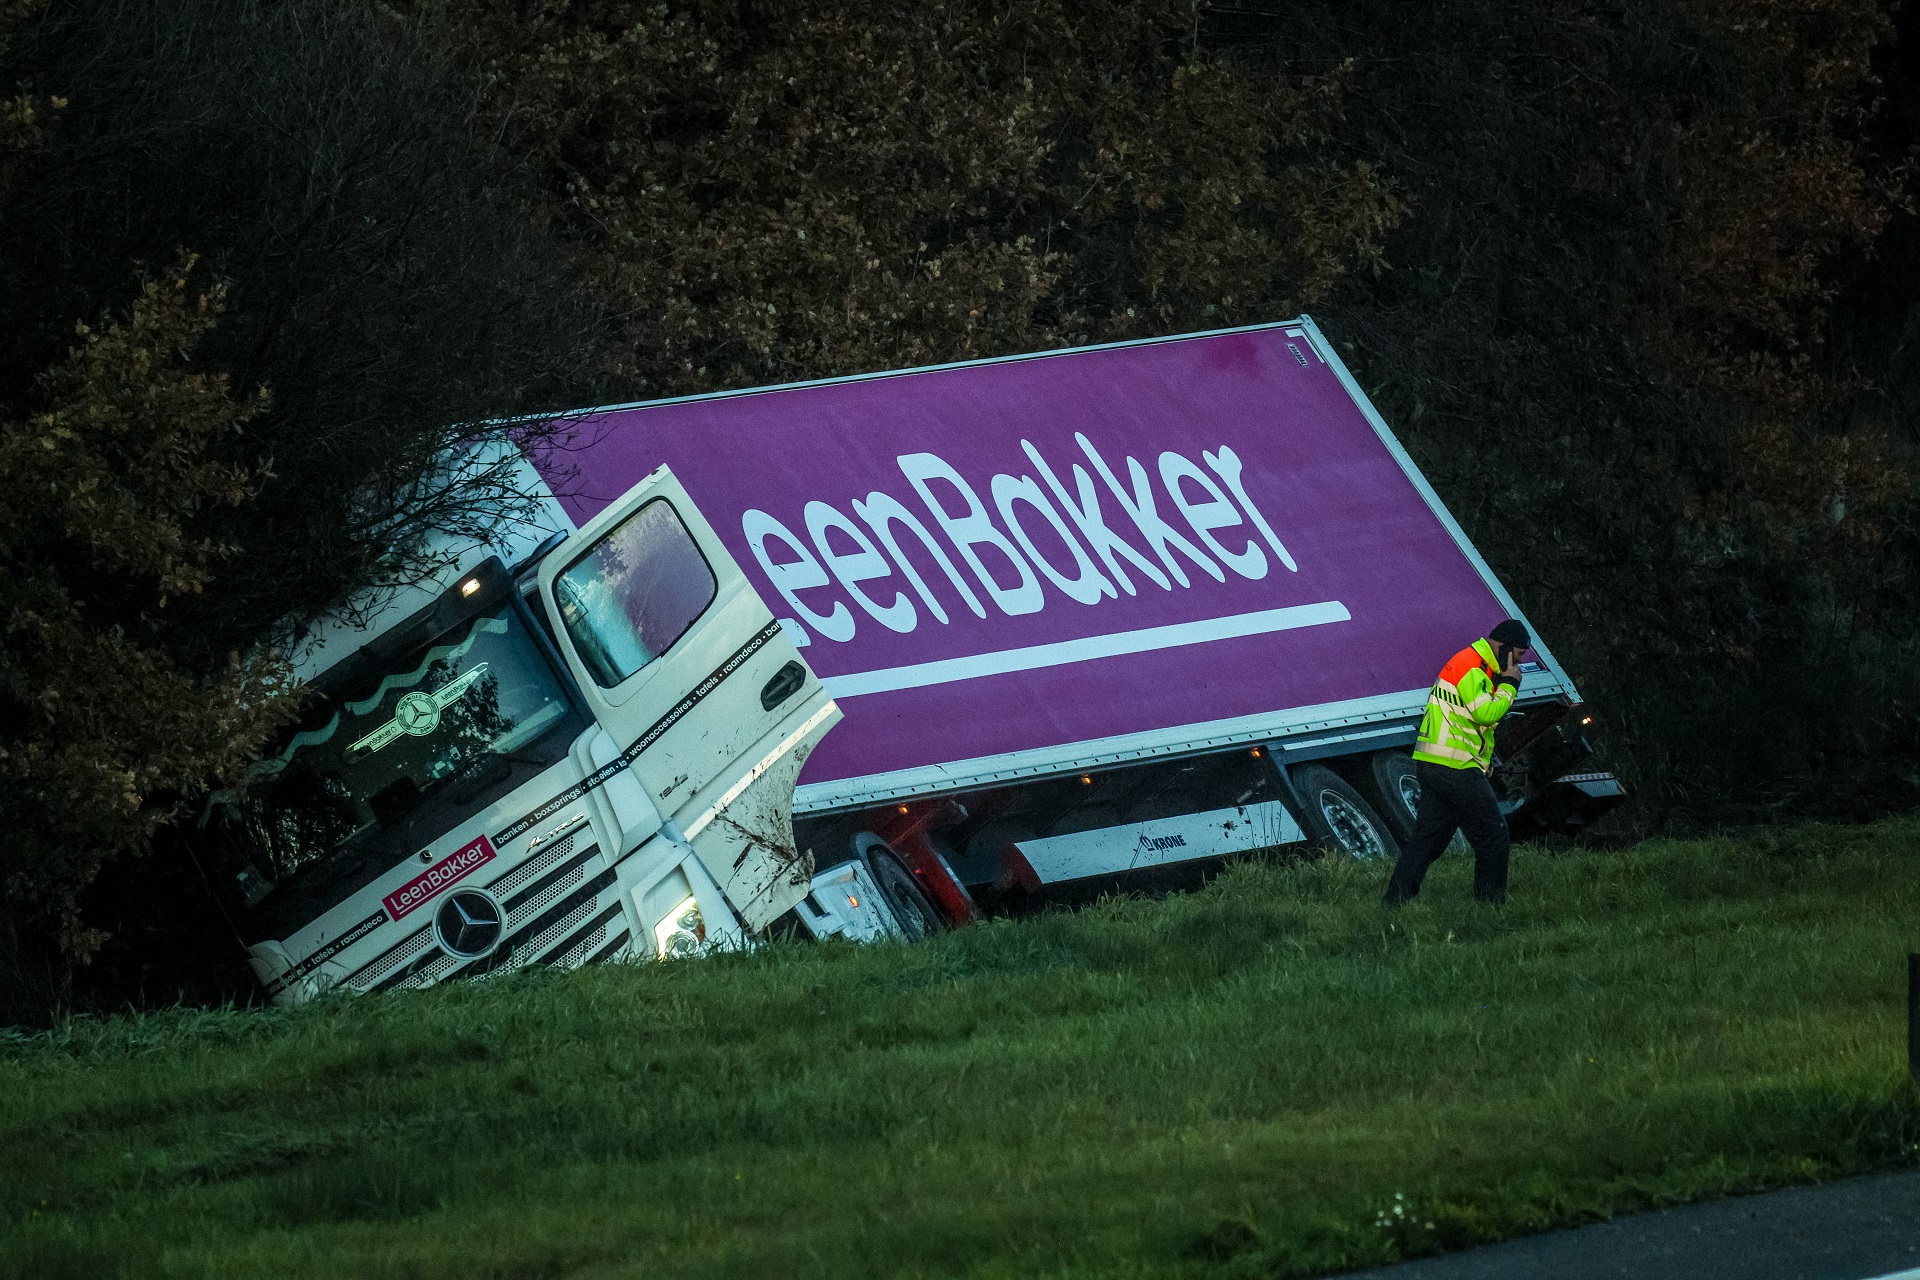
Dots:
(1451, 758)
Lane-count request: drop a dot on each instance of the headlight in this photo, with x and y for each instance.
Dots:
(682, 932)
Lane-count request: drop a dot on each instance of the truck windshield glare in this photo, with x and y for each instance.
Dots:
(403, 755)
(634, 593)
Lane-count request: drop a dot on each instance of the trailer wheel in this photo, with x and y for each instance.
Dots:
(1336, 817)
(1396, 791)
(912, 912)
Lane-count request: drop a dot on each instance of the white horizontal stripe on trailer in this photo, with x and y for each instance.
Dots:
(1063, 652)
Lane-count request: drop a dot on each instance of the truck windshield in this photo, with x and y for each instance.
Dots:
(393, 758)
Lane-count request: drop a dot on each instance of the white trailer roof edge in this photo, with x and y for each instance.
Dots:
(1324, 349)
(841, 379)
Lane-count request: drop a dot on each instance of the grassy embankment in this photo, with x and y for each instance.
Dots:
(1243, 1081)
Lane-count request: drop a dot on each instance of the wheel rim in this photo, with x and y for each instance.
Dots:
(1350, 827)
(1410, 792)
(906, 907)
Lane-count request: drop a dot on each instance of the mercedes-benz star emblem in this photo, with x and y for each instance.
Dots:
(417, 714)
(468, 923)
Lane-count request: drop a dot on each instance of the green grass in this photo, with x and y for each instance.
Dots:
(1243, 1081)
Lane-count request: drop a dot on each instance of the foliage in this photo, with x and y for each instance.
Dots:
(1608, 348)
(391, 278)
(772, 193)
(1245, 1081)
(23, 117)
(106, 482)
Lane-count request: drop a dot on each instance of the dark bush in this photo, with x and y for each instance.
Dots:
(393, 282)
(384, 283)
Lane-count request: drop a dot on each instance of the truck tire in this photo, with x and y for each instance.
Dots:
(1336, 818)
(1396, 791)
(912, 914)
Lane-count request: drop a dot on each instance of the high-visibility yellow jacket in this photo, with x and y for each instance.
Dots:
(1464, 706)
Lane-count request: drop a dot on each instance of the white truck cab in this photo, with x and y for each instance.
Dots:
(584, 756)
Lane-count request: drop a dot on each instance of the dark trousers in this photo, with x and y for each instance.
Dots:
(1453, 799)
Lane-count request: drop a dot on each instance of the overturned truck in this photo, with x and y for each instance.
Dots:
(1082, 616)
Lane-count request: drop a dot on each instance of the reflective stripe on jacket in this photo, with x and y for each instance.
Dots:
(1462, 709)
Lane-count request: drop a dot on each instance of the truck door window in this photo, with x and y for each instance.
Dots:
(634, 593)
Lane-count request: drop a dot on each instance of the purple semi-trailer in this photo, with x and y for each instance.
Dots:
(1108, 612)
(1089, 612)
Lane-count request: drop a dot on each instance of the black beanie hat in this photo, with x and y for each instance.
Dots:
(1511, 633)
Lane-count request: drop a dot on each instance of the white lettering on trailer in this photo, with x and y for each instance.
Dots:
(1227, 464)
(793, 576)
(1086, 514)
(838, 552)
(1215, 513)
(971, 529)
(882, 511)
(1140, 507)
(1087, 585)
(863, 564)
(1064, 652)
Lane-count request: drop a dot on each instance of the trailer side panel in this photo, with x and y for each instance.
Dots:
(1015, 567)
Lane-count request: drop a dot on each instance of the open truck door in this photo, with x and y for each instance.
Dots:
(704, 694)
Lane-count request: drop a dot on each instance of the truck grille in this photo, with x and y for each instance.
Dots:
(382, 965)
(581, 947)
(548, 889)
(539, 862)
